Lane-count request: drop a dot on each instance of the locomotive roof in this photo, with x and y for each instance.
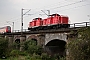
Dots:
(4, 27)
(54, 15)
(64, 16)
(37, 18)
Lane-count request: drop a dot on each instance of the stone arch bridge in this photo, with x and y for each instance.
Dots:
(52, 41)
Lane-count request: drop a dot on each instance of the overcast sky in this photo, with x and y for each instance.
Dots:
(10, 10)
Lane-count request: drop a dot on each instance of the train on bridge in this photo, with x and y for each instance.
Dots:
(6, 29)
(54, 21)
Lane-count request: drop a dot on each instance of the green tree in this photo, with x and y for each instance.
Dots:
(3, 47)
(31, 47)
(79, 48)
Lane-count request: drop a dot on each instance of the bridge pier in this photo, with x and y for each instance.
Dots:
(10, 41)
(22, 39)
(41, 40)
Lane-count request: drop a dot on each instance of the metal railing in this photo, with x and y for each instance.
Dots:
(82, 24)
(74, 25)
(24, 30)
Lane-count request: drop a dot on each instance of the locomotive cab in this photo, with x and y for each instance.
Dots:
(35, 24)
(8, 29)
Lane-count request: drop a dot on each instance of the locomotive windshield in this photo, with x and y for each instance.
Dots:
(9, 28)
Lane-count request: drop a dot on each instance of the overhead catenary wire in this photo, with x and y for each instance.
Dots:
(15, 18)
(50, 8)
(63, 6)
(67, 4)
(60, 6)
(73, 7)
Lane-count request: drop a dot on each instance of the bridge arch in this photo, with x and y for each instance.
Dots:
(59, 36)
(17, 40)
(56, 46)
(34, 40)
(56, 42)
(17, 46)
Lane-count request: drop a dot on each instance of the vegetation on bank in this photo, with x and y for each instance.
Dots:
(31, 51)
(79, 48)
(3, 47)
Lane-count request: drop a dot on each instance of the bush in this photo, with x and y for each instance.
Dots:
(79, 49)
(31, 47)
(3, 47)
(23, 53)
(14, 53)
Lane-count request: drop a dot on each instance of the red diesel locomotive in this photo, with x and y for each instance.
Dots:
(54, 21)
(6, 29)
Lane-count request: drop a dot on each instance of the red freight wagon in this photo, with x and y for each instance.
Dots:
(64, 19)
(38, 22)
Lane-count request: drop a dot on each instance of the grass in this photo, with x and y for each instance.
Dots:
(15, 58)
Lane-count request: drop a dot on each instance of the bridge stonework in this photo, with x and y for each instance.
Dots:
(44, 40)
(39, 37)
(16, 37)
(59, 36)
(10, 41)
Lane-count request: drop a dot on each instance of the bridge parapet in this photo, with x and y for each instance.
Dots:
(82, 24)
